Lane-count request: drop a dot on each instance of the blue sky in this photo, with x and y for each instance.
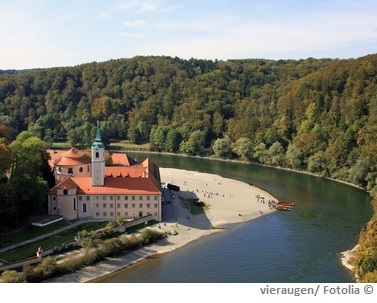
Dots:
(48, 33)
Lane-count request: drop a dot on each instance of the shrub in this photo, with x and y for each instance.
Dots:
(150, 236)
(11, 276)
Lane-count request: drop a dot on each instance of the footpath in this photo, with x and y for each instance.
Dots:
(54, 232)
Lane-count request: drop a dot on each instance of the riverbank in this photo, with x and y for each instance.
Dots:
(227, 202)
(347, 256)
(305, 172)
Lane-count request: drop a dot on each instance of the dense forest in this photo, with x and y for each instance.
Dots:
(316, 115)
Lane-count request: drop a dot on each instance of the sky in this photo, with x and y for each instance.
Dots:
(52, 33)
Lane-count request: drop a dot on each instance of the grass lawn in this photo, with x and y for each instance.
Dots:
(61, 145)
(125, 144)
(47, 243)
(114, 145)
(189, 203)
(29, 233)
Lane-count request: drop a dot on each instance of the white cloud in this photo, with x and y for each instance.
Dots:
(141, 6)
(134, 23)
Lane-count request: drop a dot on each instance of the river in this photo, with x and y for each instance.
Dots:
(300, 246)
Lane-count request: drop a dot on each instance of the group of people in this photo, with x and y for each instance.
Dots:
(271, 203)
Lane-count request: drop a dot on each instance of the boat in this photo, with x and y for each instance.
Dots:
(284, 205)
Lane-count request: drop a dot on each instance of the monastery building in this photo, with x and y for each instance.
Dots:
(86, 188)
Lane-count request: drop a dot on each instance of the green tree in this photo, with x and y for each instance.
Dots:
(260, 153)
(294, 157)
(276, 154)
(222, 148)
(358, 173)
(243, 148)
(316, 163)
(173, 140)
(195, 144)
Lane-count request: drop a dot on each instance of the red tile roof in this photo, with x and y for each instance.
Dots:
(117, 186)
(113, 186)
(67, 183)
(71, 157)
(122, 159)
(124, 171)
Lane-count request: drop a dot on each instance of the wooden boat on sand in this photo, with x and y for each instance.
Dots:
(284, 205)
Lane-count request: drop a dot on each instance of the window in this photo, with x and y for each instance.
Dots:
(140, 198)
(97, 154)
(54, 208)
(97, 205)
(148, 198)
(133, 205)
(87, 198)
(97, 198)
(118, 214)
(126, 205)
(104, 205)
(97, 214)
(70, 170)
(104, 214)
(74, 203)
(59, 169)
(80, 198)
(155, 198)
(148, 213)
(118, 198)
(111, 198)
(111, 214)
(54, 198)
(65, 192)
(148, 205)
(81, 169)
(133, 198)
(125, 198)
(104, 198)
(155, 205)
(141, 205)
(118, 205)
(155, 214)
(126, 214)
(111, 205)
(84, 207)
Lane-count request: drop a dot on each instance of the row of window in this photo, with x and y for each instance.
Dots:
(111, 214)
(70, 170)
(118, 198)
(133, 205)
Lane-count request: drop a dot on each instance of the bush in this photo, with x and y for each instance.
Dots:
(11, 276)
(150, 236)
(46, 269)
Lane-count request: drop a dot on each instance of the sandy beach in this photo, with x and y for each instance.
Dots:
(227, 202)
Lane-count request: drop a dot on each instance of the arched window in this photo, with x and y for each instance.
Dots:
(97, 154)
(81, 170)
(65, 192)
(70, 170)
(84, 207)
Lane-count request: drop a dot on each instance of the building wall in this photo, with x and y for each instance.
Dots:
(128, 206)
(106, 207)
(62, 172)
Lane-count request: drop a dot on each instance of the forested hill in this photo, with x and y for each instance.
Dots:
(316, 115)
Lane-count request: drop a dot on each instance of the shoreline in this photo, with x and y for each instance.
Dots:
(247, 162)
(346, 259)
(228, 202)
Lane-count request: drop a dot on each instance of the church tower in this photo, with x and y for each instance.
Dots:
(98, 160)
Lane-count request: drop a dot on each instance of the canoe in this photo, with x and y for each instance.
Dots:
(284, 205)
